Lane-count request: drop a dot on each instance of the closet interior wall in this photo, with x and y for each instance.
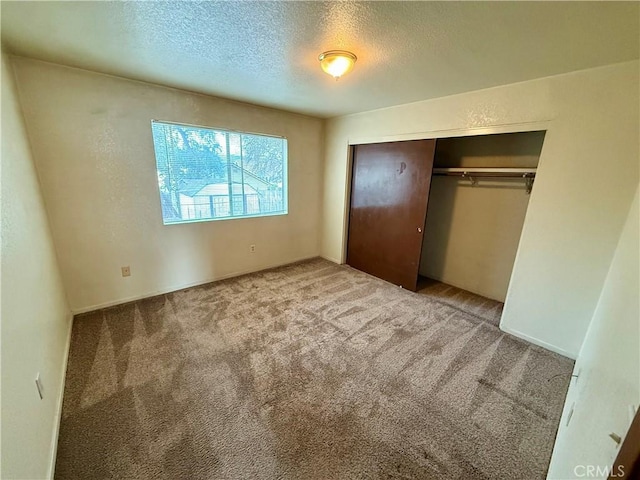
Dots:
(472, 232)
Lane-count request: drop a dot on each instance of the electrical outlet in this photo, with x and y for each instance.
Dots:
(252, 248)
(126, 271)
(39, 386)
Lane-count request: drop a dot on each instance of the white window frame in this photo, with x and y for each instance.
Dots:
(232, 194)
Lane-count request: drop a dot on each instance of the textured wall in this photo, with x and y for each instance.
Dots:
(608, 368)
(35, 314)
(587, 175)
(91, 139)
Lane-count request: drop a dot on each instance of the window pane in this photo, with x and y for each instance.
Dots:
(206, 174)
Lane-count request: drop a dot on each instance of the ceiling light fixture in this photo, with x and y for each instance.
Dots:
(337, 62)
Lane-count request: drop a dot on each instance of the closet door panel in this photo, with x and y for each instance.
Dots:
(389, 195)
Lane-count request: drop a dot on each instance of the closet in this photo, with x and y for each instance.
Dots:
(450, 209)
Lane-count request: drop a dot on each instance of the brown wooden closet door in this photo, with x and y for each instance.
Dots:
(389, 195)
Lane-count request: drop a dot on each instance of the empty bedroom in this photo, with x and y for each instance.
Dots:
(320, 240)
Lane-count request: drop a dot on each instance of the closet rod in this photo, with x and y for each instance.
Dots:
(528, 174)
(487, 172)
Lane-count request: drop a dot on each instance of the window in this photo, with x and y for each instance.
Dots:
(207, 174)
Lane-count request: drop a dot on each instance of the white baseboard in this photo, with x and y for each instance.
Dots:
(58, 417)
(333, 260)
(539, 343)
(175, 288)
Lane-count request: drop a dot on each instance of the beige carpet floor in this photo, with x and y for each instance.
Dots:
(309, 371)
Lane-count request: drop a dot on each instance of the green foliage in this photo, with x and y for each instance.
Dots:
(264, 157)
(186, 153)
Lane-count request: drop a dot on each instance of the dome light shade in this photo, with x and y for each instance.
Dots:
(337, 62)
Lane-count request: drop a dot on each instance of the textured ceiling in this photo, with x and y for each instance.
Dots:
(266, 52)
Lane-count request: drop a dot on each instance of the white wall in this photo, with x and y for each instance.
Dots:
(35, 315)
(608, 368)
(472, 232)
(587, 175)
(91, 139)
